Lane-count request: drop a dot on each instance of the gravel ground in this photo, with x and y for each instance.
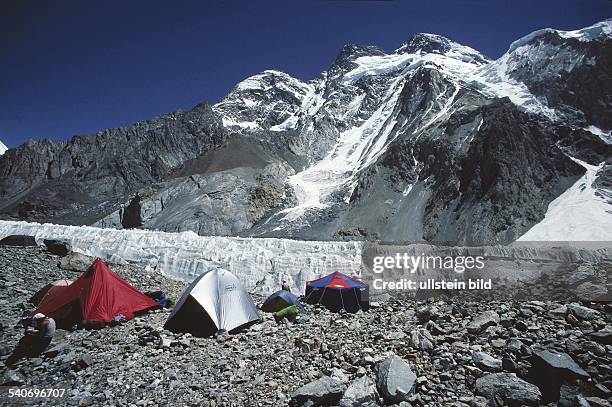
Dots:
(402, 352)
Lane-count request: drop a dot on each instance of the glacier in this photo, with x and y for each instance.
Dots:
(261, 264)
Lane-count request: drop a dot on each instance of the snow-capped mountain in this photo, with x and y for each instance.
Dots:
(433, 141)
(3, 148)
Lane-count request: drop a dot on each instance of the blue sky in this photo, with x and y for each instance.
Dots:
(75, 67)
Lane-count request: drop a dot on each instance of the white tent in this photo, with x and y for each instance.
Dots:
(215, 300)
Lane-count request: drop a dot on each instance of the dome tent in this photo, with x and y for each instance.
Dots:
(280, 300)
(48, 290)
(337, 291)
(97, 295)
(213, 301)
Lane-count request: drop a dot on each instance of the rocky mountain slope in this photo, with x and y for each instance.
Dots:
(433, 141)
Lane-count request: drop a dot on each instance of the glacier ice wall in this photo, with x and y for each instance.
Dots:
(261, 264)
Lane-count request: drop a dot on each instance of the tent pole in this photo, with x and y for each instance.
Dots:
(357, 298)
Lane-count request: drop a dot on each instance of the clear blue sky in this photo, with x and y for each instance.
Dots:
(76, 67)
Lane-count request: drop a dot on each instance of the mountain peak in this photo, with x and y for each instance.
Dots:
(425, 43)
(596, 31)
(349, 52)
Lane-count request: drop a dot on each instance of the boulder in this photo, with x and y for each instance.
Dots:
(582, 312)
(18, 240)
(482, 321)
(603, 336)
(59, 247)
(486, 361)
(395, 380)
(557, 363)
(76, 261)
(325, 391)
(361, 392)
(508, 388)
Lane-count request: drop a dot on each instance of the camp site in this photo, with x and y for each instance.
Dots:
(306, 203)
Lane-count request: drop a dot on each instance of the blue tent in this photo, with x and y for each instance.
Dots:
(338, 291)
(280, 300)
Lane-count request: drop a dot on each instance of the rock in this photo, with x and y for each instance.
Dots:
(421, 339)
(594, 348)
(59, 247)
(361, 392)
(597, 402)
(581, 312)
(603, 336)
(486, 361)
(514, 345)
(76, 261)
(521, 326)
(509, 388)
(427, 313)
(395, 380)
(13, 378)
(558, 363)
(325, 391)
(482, 321)
(82, 362)
(55, 350)
(18, 240)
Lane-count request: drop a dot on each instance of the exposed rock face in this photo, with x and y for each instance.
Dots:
(80, 180)
(432, 142)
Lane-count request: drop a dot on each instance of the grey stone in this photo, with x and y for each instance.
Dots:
(324, 391)
(482, 321)
(603, 336)
(582, 312)
(486, 361)
(56, 350)
(509, 388)
(558, 362)
(76, 261)
(395, 380)
(13, 378)
(361, 392)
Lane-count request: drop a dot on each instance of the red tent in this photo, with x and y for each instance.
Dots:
(98, 295)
